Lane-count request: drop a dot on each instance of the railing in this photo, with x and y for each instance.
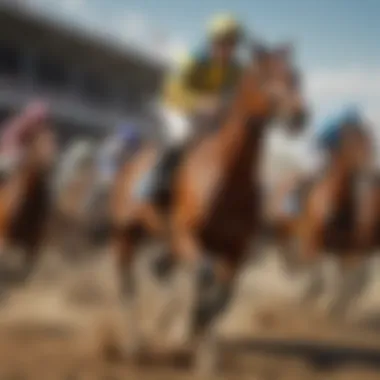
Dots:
(66, 106)
(90, 28)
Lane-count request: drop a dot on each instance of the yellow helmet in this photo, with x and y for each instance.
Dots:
(223, 26)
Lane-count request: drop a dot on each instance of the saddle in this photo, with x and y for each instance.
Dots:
(202, 126)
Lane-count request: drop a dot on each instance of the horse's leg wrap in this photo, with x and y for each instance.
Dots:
(186, 296)
(163, 266)
(165, 167)
(351, 287)
(128, 289)
(206, 273)
(209, 309)
(212, 305)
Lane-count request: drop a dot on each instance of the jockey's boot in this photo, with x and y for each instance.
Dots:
(165, 169)
(159, 181)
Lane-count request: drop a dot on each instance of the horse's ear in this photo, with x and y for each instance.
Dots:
(286, 51)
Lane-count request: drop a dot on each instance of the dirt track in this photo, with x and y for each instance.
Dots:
(56, 327)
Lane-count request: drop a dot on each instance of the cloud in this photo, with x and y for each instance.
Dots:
(134, 25)
(71, 6)
(343, 82)
(138, 29)
(176, 49)
(328, 89)
(126, 26)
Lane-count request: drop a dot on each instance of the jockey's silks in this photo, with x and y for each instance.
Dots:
(198, 76)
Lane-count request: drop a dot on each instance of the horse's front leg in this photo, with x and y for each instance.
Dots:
(123, 244)
(33, 246)
(355, 264)
(212, 304)
(5, 279)
(156, 225)
(31, 259)
(354, 274)
(309, 235)
(191, 266)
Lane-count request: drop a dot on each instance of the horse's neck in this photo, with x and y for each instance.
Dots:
(32, 176)
(340, 181)
(241, 145)
(240, 138)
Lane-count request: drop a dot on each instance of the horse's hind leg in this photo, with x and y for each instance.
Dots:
(163, 265)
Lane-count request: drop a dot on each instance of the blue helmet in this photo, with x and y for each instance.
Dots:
(329, 133)
(129, 133)
(351, 115)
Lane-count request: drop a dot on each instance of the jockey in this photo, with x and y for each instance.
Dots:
(329, 134)
(125, 139)
(195, 90)
(325, 139)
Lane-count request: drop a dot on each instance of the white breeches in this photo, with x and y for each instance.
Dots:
(177, 127)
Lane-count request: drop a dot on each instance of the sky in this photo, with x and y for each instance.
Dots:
(337, 41)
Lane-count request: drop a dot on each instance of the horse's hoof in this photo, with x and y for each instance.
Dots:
(179, 337)
(206, 363)
(205, 370)
(131, 352)
(337, 313)
(112, 352)
(122, 352)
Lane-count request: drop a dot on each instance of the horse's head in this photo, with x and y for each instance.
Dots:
(40, 145)
(279, 83)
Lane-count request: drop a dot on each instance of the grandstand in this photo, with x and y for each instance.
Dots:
(91, 83)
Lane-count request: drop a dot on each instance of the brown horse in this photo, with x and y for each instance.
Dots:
(369, 231)
(332, 216)
(24, 192)
(215, 199)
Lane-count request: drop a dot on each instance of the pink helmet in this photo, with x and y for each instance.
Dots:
(23, 125)
(32, 118)
(35, 112)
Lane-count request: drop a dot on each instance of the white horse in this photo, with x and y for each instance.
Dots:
(74, 162)
(73, 185)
